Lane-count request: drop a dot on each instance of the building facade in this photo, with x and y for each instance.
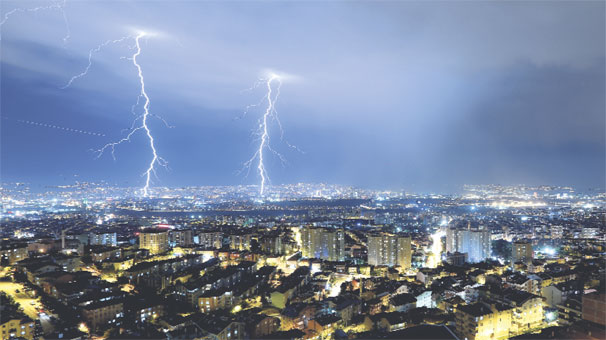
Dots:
(17, 328)
(103, 238)
(323, 243)
(481, 320)
(521, 252)
(389, 250)
(240, 241)
(154, 240)
(11, 253)
(211, 240)
(180, 237)
(474, 242)
(103, 314)
(594, 308)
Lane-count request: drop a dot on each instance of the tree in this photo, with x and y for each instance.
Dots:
(255, 247)
(502, 248)
(87, 259)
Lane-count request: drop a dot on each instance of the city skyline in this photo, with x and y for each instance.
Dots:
(302, 170)
(392, 95)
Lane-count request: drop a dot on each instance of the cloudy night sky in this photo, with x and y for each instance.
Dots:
(397, 94)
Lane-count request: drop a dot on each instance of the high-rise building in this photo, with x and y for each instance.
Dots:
(180, 237)
(521, 251)
(103, 238)
(594, 308)
(386, 249)
(211, 239)
(240, 241)
(323, 243)
(474, 242)
(272, 244)
(404, 253)
(154, 240)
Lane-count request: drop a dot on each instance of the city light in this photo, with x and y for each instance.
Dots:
(140, 123)
(551, 316)
(373, 233)
(549, 251)
(82, 327)
(435, 254)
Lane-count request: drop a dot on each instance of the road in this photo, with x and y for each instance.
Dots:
(30, 305)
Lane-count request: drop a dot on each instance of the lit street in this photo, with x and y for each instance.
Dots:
(304, 170)
(31, 306)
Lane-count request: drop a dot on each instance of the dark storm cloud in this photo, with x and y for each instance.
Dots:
(535, 124)
(422, 95)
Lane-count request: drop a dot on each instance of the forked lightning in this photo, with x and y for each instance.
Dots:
(141, 121)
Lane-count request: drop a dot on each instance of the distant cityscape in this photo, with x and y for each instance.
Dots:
(304, 261)
(302, 170)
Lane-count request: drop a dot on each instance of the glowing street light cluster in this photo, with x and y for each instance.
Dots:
(434, 259)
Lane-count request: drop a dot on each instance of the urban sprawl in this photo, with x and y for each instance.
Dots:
(308, 261)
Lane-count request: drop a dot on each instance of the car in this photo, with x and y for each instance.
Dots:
(17, 291)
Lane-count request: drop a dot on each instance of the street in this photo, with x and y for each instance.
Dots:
(31, 306)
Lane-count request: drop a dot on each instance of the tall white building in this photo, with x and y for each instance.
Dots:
(521, 251)
(323, 243)
(104, 238)
(474, 242)
(210, 239)
(386, 249)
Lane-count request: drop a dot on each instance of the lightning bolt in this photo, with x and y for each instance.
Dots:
(90, 59)
(56, 5)
(155, 159)
(140, 122)
(273, 84)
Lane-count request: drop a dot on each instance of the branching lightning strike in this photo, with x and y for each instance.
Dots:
(140, 122)
(90, 59)
(156, 159)
(59, 5)
(270, 114)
